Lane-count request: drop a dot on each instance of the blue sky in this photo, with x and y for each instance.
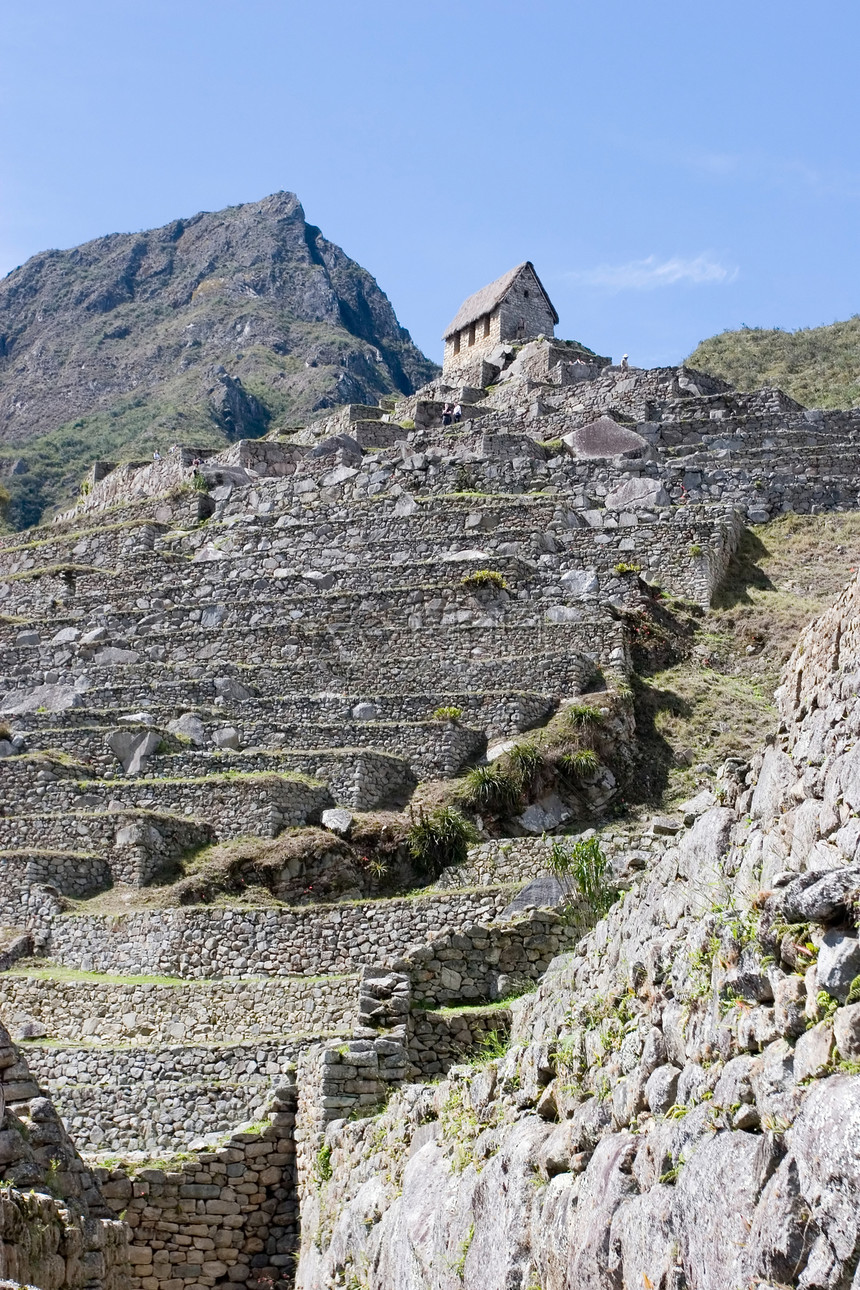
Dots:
(672, 169)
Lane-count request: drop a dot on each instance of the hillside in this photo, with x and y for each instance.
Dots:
(818, 366)
(212, 328)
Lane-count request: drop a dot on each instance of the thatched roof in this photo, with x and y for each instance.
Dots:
(484, 301)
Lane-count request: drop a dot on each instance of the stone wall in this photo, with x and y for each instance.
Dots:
(45, 1243)
(210, 942)
(136, 845)
(227, 1216)
(481, 962)
(192, 1094)
(224, 1011)
(72, 874)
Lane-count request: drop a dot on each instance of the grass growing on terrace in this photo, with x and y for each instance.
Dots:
(717, 701)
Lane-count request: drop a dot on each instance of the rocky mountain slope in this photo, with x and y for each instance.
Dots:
(679, 1103)
(212, 328)
(818, 366)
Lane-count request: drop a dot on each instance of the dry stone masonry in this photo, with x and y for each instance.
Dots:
(225, 676)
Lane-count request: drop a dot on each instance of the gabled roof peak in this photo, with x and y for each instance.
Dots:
(484, 301)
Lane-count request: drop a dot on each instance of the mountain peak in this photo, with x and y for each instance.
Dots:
(107, 349)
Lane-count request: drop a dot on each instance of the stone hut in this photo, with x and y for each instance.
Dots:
(515, 307)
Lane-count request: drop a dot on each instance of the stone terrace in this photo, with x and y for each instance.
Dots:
(198, 654)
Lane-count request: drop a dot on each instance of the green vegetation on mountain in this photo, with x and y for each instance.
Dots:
(818, 366)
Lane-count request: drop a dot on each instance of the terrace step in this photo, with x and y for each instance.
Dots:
(107, 1010)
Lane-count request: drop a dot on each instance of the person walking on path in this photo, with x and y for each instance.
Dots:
(446, 414)
(458, 413)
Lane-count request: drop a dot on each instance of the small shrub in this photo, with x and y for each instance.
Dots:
(199, 483)
(447, 714)
(623, 567)
(322, 1164)
(491, 788)
(582, 867)
(485, 579)
(526, 762)
(86, 487)
(581, 763)
(581, 716)
(695, 550)
(440, 839)
(853, 989)
(5, 732)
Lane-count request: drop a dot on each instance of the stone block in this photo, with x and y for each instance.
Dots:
(813, 1052)
(846, 1032)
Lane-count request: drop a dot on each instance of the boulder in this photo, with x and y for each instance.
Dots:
(28, 637)
(543, 892)
(846, 1032)
(838, 963)
(545, 815)
(132, 748)
(322, 581)
(113, 656)
(65, 636)
(580, 582)
(45, 698)
(338, 443)
(661, 1088)
(226, 737)
(809, 898)
(604, 438)
(637, 494)
(563, 614)
(95, 637)
(189, 727)
(337, 820)
(405, 505)
(365, 711)
(231, 690)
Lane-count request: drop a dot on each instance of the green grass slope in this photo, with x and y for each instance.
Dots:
(818, 366)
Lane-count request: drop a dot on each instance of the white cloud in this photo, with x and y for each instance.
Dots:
(644, 275)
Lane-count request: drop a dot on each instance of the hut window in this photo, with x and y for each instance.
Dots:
(526, 293)
(456, 342)
(472, 334)
(487, 325)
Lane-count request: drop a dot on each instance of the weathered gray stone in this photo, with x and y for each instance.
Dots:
(637, 494)
(133, 748)
(227, 737)
(338, 820)
(45, 698)
(580, 582)
(661, 1088)
(838, 963)
(190, 727)
(365, 711)
(543, 892)
(846, 1032)
(604, 438)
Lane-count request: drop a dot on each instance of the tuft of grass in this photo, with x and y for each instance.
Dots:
(447, 714)
(526, 761)
(484, 579)
(439, 839)
(581, 763)
(491, 788)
